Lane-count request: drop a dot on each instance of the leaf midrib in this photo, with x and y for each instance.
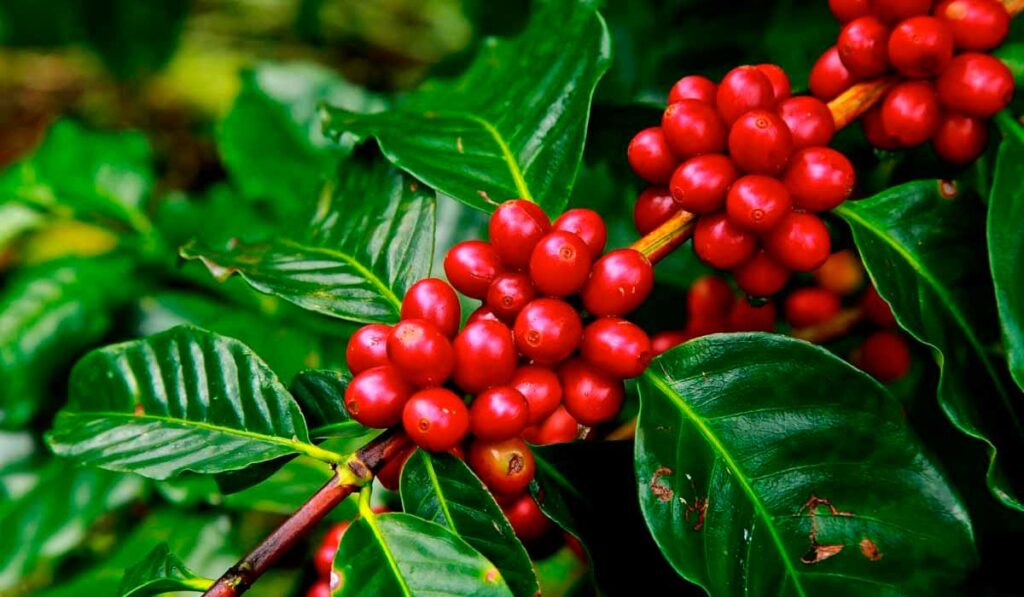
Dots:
(738, 474)
(442, 501)
(306, 449)
(946, 300)
(386, 292)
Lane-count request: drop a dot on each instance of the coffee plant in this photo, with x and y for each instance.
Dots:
(555, 297)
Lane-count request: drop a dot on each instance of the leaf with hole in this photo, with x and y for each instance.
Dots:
(182, 400)
(512, 125)
(923, 246)
(755, 477)
(441, 488)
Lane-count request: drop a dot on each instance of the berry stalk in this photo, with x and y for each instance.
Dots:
(358, 470)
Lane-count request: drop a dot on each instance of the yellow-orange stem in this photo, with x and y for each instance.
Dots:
(663, 239)
(834, 328)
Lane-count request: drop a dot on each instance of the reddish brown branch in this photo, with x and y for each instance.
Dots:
(354, 473)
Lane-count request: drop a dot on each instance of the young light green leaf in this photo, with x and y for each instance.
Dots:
(512, 125)
(923, 246)
(182, 400)
(400, 554)
(272, 140)
(757, 478)
(48, 314)
(160, 572)
(1006, 244)
(441, 488)
(370, 239)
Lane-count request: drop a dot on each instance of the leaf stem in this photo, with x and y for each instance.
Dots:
(356, 472)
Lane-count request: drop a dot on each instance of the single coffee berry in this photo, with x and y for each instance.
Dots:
(434, 300)
(516, 226)
(471, 266)
(485, 356)
(436, 419)
(375, 397)
(367, 348)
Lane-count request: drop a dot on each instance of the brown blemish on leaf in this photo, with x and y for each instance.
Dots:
(819, 552)
(662, 492)
(414, 186)
(138, 411)
(948, 189)
(869, 550)
(698, 508)
(458, 145)
(492, 575)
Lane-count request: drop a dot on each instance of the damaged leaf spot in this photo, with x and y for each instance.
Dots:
(138, 411)
(698, 508)
(948, 189)
(820, 552)
(869, 550)
(662, 492)
(458, 145)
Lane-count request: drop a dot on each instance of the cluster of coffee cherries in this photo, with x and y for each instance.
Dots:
(713, 306)
(952, 85)
(533, 369)
(752, 162)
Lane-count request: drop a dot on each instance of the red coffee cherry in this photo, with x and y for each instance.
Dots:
(761, 276)
(709, 299)
(390, 474)
(693, 87)
(699, 184)
(617, 347)
(619, 282)
(819, 178)
(320, 588)
(745, 317)
(541, 389)
(560, 263)
(559, 427)
(590, 395)
(841, 273)
(509, 293)
(809, 121)
(499, 413)
(650, 157)
(829, 76)
(876, 310)
(375, 397)
(778, 78)
(505, 467)
(434, 300)
(894, 11)
(847, 10)
(743, 89)
(482, 313)
(811, 306)
(485, 356)
(367, 348)
(693, 128)
(884, 355)
(760, 142)
(800, 242)
(976, 84)
(586, 224)
(548, 330)
(960, 139)
(978, 25)
(471, 266)
(910, 112)
(875, 133)
(862, 47)
(515, 228)
(526, 518)
(653, 208)
(720, 243)
(323, 561)
(920, 47)
(757, 203)
(667, 340)
(420, 352)
(436, 419)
